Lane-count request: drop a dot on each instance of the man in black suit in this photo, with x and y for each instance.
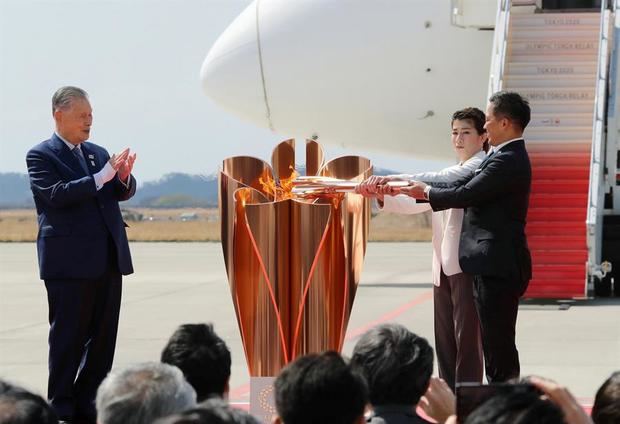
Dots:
(83, 251)
(493, 246)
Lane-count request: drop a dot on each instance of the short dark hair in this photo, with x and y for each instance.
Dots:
(317, 389)
(19, 406)
(513, 106)
(606, 409)
(212, 411)
(396, 363)
(520, 404)
(472, 114)
(203, 357)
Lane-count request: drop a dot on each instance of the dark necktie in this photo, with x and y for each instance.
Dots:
(80, 156)
(489, 156)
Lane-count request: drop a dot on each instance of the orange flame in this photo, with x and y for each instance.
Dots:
(281, 191)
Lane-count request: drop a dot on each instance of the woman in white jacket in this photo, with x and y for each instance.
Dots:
(457, 328)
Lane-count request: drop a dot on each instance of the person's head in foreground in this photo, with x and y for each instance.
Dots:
(212, 411)
(522, 404)
(606, 409)
(318, 389)
(507, 116)
(203, 357)
(19, 406)
(468, 134)
(396, 363)
(141, 393)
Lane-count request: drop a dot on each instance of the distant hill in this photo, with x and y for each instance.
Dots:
(173, 190)
(177, 190)
(15, 191)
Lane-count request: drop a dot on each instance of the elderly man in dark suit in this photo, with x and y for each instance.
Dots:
(493, 246)
(83, 251)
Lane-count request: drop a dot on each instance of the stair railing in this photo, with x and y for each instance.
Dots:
(613, 108)
(500, 41)
(596, 192)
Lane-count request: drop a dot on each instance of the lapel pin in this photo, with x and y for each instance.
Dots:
(92, 162)
(91, 156)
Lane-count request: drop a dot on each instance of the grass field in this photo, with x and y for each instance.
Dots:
(166, 225)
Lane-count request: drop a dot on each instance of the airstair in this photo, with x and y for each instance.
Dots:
(559, 61)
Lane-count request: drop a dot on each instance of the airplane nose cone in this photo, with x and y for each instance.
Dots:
(230, 73)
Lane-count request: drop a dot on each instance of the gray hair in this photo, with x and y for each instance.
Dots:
(141, 393)
(62, 98)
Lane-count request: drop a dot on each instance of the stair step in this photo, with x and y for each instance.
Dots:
(557, 242)
(560, 159)
(560, 186)
(560, 172)
(548, 272)
(518, 82)
(561, 134)
(560, 200)
(546, 33)
(557, 214)
(560, 120)
(534, 228)
(572, 47)
(565, 94)
(557, 146)
(547, 67)
(575, 59)
(571, 20)
(559, 106)
(575, 257)
(556, 289)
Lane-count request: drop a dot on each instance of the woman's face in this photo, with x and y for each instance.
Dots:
(465, 139)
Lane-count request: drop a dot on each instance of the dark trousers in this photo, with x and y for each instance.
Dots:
(497, 301)
(457, 330)
(83, 316)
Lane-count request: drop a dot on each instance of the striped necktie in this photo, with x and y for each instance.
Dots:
(80, 156)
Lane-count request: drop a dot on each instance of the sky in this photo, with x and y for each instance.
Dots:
(139, 60)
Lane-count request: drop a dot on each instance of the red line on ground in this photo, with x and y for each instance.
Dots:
(352, 334)
(240, 391)
(244, 390)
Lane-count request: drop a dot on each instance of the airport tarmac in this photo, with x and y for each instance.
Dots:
(576, 343)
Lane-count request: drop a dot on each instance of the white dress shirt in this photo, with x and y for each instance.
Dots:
(446, 224)
(505, 143)
(104, 175)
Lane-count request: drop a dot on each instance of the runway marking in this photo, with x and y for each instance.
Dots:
(352, 334)
(244, 390)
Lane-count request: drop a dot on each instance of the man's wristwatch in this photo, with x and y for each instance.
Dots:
(427, 190)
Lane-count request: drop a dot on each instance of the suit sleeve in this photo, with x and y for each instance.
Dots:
(498, 177)
(49, 186)
(125, 192)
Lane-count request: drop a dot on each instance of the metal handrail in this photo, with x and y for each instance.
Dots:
(596, 190)
(500, 41)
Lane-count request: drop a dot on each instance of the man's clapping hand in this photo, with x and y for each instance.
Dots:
(123, 163)
(124, 171)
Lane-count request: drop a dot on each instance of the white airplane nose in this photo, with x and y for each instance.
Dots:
(231, 74)
(350, 72)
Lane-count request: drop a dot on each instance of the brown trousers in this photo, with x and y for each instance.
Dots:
(457, 330)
